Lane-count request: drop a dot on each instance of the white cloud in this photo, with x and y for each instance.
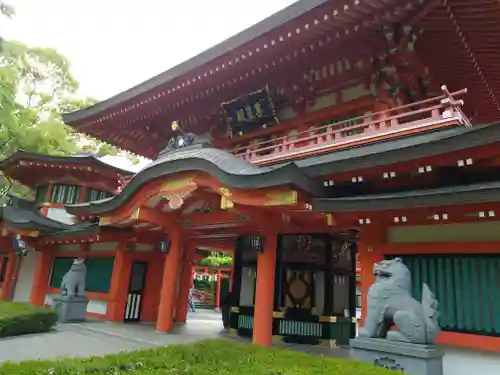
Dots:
(116, 44)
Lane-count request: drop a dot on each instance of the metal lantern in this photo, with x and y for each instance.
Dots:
(164, 246)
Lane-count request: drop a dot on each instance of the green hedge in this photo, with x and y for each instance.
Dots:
(17, 318)
(212, 357)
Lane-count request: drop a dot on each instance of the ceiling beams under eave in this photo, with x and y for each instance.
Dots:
(459, 44)
(274, 76)
(292, 65)
(340, 17)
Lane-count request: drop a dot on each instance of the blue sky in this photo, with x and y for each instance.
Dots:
(114, 44)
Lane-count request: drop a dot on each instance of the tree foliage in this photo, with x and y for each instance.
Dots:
(36, 87)
(216, 259)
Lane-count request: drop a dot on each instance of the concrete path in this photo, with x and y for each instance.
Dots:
(100, 338)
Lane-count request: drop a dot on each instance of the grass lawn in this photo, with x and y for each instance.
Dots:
(17, 318)
(211, 357)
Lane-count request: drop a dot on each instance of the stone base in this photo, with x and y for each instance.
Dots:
(412, 359)
(70, 309)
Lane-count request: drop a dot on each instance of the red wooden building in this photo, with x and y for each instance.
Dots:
(330, 129)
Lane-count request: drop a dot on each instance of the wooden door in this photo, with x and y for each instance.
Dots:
(135, 291)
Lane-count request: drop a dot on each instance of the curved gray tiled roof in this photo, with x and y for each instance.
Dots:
(23, 214)
(230, 170)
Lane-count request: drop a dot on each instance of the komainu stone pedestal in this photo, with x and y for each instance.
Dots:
(70, 308)
(412, 359)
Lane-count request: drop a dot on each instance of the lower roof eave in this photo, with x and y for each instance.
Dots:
(89, 231)
(456, 195)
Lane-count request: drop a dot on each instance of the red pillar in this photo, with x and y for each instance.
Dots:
(44, 261)
(10, 276)
(165, 322)
(119, 285)
(264, 294)
(186, 282)
(149, 309)
(372, 236)
(231, 275)
(217, 298)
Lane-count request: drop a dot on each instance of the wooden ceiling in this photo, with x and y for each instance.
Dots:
(460, 44)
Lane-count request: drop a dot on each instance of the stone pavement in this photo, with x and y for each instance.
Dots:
(99, 338)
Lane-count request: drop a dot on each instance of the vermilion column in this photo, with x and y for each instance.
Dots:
(186, 281)
(149, 308)
(217, 299)
(44, 261)
(264, 294)
(119, 285)
(9, 276)
(231, 275)
(165, 321)
(372, 236)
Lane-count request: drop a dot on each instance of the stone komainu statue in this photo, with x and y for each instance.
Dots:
(390, 303)
(73, 282)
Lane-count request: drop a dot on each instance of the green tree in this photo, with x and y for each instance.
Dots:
(36, 87)
(217, 259)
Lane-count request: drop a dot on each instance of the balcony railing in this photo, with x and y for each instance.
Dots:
(408, 119)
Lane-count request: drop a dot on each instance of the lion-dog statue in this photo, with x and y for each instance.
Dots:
(390, 304)
(73, 282)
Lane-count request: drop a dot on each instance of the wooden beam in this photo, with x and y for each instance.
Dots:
(210, 218)
(165, 220)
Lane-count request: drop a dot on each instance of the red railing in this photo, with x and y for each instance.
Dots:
(412, 118)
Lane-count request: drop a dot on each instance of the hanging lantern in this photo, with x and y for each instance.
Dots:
(164, 246)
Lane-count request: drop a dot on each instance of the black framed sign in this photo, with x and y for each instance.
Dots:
(250, 112)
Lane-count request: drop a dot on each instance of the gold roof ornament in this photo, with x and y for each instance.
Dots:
(174, 126)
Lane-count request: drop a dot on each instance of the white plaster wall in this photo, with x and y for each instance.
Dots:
(25, 277)
(247, 286)
(60, 214)
(466, 362)
(97, 307)
(94, 306)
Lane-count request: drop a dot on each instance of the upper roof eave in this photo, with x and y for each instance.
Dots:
(75, 159)
(270, 23)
